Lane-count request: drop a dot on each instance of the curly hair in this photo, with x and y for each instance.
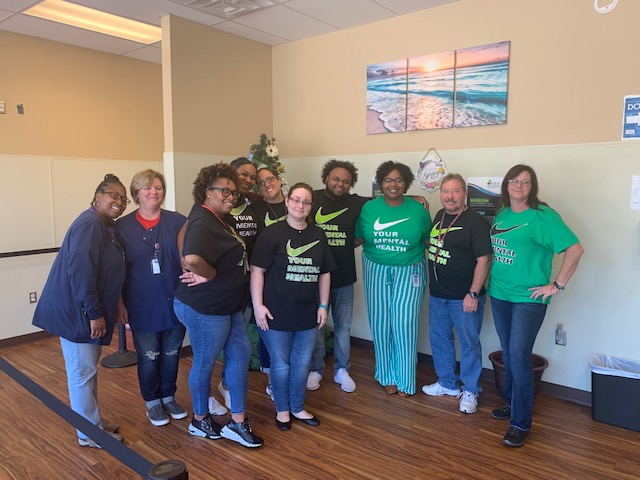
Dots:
(208, 176)
(533, 201)
(389, 166)
(109, 179)
(334, 163)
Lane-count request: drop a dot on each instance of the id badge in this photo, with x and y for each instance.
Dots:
(415, 280)
(155, 266)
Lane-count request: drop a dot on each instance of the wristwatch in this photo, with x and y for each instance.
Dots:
(473, 294)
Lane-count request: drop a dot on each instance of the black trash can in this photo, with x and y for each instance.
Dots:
(615, 391)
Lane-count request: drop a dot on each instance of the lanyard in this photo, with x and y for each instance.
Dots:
(235, 235)
(441, 236)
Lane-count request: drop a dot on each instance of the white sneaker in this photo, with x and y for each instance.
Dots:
(216, 408)
(313, 380)
(437, 390)
(225, 395)
(344, 379)
(269, 392)
(468, 402)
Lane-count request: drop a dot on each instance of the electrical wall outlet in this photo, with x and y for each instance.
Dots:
(561, 335)
(33, 297)
(3, 107)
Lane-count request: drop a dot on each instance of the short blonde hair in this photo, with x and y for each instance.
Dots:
(144, 179)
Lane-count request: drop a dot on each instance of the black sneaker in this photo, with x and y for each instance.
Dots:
(207, 428)
(515, 437)
(241, 432)
(502, 413)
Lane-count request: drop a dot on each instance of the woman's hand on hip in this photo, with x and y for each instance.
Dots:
(544, 291)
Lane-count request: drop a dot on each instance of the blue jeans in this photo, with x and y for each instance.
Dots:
(290, 357)
(517, 325)
(158, 357)
(341, 303)
(81, 364)
(444, 316)
(209, 335)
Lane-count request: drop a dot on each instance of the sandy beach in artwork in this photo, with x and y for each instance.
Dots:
(374, 124)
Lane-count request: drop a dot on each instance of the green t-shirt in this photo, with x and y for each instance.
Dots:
(523, 247)
(393, 235)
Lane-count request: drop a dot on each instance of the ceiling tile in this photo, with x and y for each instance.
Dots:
(407, 6)
(4, 15)
(18, 5)
(250, 33)
(147, 53)
(284, 22)
(341, 13)
(151, 11)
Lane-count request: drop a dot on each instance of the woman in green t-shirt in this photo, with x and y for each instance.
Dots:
(395, 229)
(525, 235)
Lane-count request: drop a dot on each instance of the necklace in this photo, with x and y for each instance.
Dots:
(147, 224)
(275, 215)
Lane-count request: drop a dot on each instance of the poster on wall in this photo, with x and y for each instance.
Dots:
(430, 91)
(631, 118)
(387, 97)
(483, 195)
(482, 75)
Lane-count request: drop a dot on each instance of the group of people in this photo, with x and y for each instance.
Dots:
(284, 261)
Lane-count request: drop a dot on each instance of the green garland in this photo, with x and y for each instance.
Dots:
(265, 154)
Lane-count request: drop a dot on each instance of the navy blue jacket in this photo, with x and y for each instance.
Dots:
(85, 282)
(148, 296)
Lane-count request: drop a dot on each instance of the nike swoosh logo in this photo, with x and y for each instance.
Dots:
(268, 221)
(238, 210)
(320, 218)
(499, 231)
(436, 233)
(296, 252)
(382, 226)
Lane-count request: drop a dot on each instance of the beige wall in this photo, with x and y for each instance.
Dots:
(570, 69)
(78, 102)
(217, 89)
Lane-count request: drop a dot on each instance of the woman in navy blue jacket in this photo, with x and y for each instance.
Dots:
(80, 300)
(149, 236)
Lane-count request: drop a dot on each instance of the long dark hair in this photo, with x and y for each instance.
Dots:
(533, 201)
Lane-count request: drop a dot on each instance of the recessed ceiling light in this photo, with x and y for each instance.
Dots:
(96, 21)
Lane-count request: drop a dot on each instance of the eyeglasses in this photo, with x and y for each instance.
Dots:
(226, 191)
(118, 198)
(299, 201)
(266, 181)
(388, 180)
(514, 181)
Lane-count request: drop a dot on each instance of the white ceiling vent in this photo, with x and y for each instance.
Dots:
(227, 8)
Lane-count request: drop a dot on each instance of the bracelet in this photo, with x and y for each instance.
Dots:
(324, 306)
(555, 284)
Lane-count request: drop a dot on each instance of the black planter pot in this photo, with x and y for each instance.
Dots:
(539, 366)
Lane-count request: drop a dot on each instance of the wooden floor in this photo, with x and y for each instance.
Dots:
(365, 434)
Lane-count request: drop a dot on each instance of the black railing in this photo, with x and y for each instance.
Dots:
(24, 253)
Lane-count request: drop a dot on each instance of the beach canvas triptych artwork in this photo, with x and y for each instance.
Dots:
(460, 88)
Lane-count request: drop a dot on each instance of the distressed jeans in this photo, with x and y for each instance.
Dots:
(158, 357)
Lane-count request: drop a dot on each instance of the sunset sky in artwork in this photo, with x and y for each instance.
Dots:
(495, 52)
(432, 62)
